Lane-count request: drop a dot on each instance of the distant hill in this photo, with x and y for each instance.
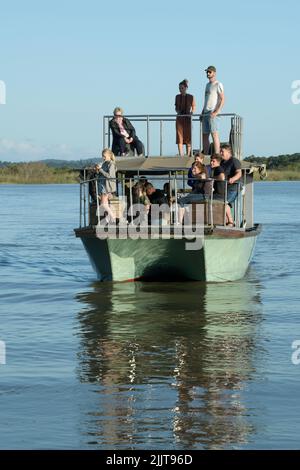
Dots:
(74, 164)
(56, 163)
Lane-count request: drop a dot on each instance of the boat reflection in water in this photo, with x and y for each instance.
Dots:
(169, 363)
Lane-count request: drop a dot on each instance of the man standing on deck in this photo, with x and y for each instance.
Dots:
(213, 103)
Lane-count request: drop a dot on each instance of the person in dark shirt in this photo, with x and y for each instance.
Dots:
(217, 173)
(92, 174)
(124, 135)
(156, 196)
(219, 185)
(232, 170)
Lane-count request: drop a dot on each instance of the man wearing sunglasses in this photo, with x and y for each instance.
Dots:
(213, 103)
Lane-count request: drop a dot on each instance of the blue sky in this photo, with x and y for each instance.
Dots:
(66, 63)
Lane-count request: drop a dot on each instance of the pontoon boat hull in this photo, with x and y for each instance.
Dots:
(220, 256)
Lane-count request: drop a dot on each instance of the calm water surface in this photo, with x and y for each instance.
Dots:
(144, 365)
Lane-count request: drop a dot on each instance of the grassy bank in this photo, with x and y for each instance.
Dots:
(40, 173)
(36, 173)
(280, 175)
(280, 167)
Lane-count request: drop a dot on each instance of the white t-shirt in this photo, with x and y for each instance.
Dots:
(212, 91)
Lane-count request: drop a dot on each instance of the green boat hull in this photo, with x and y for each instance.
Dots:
(218, 257)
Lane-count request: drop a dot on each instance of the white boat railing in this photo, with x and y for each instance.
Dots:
(235, 137)
(90, 204)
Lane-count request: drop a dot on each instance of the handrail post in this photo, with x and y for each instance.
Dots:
(244, 200)
(211, 206)
(171, 203)
(241, 124)
(237, 137)
(103, 131)
(148, 143)
(237, 215)
(232, 135)
(131, 200)
(80, 208)
(176, 204)
(225, 201)
(84, 204)
(98, 207)
(191, 134)
(160, 142)
(123, 185)
(89, 210)
(200, 134)
(108, 134)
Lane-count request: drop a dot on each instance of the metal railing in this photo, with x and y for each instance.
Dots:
(235, 134)
(125, 188)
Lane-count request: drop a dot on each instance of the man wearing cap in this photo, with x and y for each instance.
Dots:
(213, 103)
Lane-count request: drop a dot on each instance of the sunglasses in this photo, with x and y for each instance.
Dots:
(118, 115)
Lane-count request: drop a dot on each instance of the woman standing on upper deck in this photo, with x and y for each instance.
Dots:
(184, 104)
(107, 181)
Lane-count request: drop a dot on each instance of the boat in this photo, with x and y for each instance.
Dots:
(202, 248)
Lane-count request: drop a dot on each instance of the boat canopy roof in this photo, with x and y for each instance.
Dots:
(163, 165)
(153, 164)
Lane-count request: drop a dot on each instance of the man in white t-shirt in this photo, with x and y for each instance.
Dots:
(213, 103)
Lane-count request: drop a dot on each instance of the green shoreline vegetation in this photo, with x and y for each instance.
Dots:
(279, 168)
(37, 173)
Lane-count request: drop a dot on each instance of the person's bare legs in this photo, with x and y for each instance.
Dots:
(180, 150)
(188, 150)
(104, 203)
(181, 211)
(205, 139)
(216, 141)
(229, 219)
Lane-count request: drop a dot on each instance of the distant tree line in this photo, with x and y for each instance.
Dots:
(55, 163)
(280, 162)
(281, 167)
(36, 172)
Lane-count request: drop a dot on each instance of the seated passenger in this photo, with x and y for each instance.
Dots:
(219, 185)
(156, 196)
(124, 135)
(107, 182)
(198, 157)
(159, 210)
(139, 195)
(232, 170)
(140, 201)
(200, 191)
(218, 175)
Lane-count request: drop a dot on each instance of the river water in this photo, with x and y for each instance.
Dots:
(91, 365)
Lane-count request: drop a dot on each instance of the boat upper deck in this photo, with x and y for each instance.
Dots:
(134, 173)
(164, 165)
